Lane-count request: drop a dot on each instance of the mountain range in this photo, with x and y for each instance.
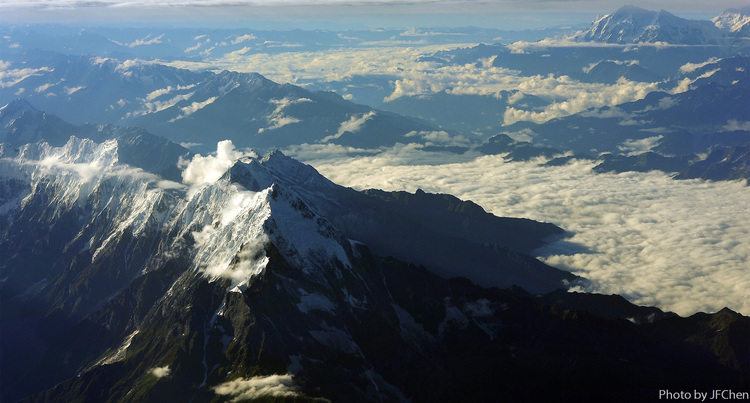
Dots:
(156, 244)
(120, 284)
(632, 24)
(194, 108)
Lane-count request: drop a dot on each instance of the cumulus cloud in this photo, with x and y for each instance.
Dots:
(160, 372)
(208, 169)
(678, 245)
(578, 97)
(515, 97)
(258, 387)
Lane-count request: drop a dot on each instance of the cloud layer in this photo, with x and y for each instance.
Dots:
(678, 245)
(258, 387)
(413, 77)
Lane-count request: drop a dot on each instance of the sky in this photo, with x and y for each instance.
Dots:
(342, 14)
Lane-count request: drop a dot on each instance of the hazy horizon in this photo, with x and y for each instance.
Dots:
(338, 14)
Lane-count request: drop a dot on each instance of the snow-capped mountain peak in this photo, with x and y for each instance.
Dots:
(632, 24)
(734, 20)
(249, 207)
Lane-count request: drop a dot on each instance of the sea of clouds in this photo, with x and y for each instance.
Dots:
(678, 245)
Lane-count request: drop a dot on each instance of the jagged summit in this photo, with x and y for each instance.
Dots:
(275, 167)
(16, 105)
(631, 24)
(734, 20)
(14, 110)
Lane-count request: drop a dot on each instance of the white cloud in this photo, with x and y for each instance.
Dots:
(128, 64)
(148, 40)
(157, 106)
(414, 77)
(277, 119)
(678, 245)
(193, 48)
(353, 125)
(591, 66)
(210, 168)
(324, 151)
(515, 97)
(190, 144)
(194, 107)
(243, 38)
(73, 90)
(10, 77)
(635, 147)
(44, 87)
(160, 372)
(163, 91)
(735, 125)
(247, 264)
(577, 96)
(684, 84)
(258, 387)
(439, 138)
(691, 67)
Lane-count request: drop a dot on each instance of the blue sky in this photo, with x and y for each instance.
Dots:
(341, 14)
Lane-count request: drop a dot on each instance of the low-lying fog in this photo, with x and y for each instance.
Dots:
(679, 245)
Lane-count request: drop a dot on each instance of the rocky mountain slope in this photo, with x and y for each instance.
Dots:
(190, 108)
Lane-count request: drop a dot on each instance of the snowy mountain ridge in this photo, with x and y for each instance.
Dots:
(632, 24)
(221, 226)
(734, 20)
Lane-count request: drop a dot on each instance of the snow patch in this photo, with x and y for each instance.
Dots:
(315, 301)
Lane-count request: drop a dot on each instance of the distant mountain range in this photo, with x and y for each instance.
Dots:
(632, 24)
(198, 109)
